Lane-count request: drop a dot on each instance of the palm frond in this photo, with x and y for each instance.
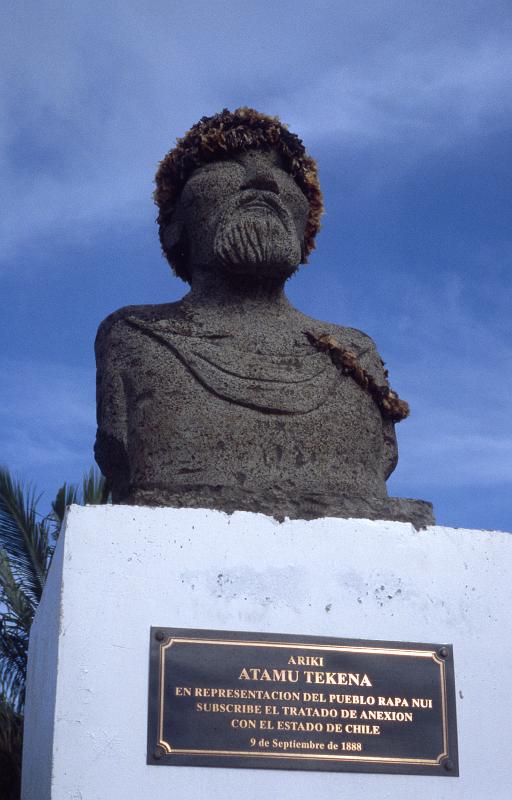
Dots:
(93, 491)
(23, 536)
(11, 735)
(66, 496)
(20, 607)
(26, 548)
(13, 663)
(10, 725)
(94, 488)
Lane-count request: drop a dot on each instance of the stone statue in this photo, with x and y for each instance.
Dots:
(231, 398)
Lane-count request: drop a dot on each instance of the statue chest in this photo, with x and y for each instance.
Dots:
(204, 411)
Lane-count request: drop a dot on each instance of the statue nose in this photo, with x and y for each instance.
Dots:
(260, 178)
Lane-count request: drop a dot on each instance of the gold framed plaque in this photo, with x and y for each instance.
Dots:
(279, 701)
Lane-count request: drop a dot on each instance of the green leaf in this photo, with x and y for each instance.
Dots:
(94, 488)
(24, 537)
(19, 605)
(26, 548)
(66, 496)
(11, 733)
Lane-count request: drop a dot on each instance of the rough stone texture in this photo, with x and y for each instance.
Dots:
(118, 570)
(219, 400)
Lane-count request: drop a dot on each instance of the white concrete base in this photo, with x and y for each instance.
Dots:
(119, 570)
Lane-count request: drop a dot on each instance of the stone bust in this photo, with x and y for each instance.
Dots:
(231, 398)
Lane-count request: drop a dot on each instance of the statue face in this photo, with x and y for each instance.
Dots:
(244, 214)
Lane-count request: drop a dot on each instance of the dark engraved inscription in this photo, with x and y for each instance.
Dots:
(220, 698)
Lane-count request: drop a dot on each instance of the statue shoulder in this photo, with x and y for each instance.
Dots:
(115, 324)
(364, 347)
(354, 340)
(351, 338)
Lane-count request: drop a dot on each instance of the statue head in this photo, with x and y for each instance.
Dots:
(239, 193)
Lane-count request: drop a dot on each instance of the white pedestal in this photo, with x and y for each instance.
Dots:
(119, 570)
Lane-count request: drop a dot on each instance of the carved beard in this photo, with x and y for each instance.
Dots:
(255, 239)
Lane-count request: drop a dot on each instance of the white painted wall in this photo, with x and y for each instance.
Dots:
(119, 570)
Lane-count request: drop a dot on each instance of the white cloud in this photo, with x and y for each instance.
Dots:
(442, 458)
(94, 94)
(454, 366)
(424, 101)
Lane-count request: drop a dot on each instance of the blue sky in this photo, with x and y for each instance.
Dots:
(407, 108)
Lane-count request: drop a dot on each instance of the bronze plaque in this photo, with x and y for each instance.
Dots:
(231, 699)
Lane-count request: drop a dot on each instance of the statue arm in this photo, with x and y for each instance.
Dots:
(370, 359)
(111, 445)
(390, 447)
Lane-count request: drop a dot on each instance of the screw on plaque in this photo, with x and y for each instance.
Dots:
(159, 636)
(448, 765)
(158, 753)
(442, 652)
